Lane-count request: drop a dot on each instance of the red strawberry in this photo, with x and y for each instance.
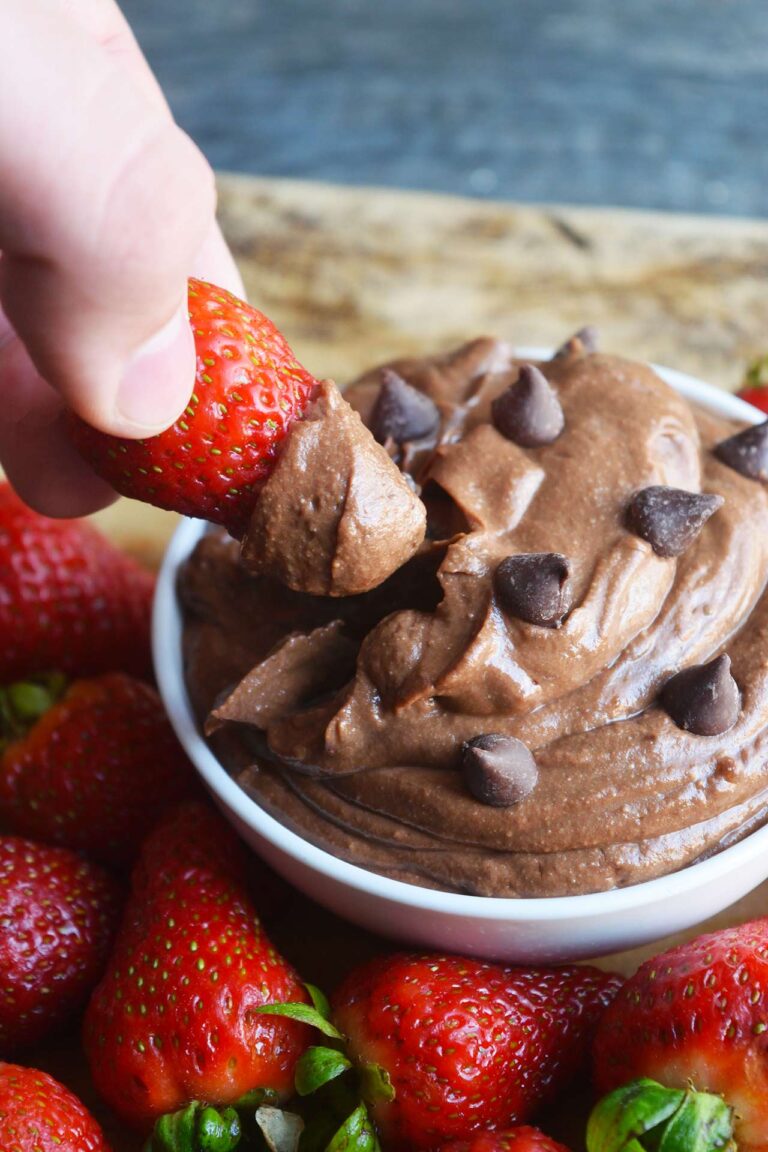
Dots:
(467, 1045)
(249, 388)
(57, 920)
(175, 1018)
(93, 769)
(37, 1114)
(69, 601)
(698, 1013)
(511, 1140)
(755, 387)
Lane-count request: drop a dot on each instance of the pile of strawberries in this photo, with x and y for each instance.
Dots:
(125, 901)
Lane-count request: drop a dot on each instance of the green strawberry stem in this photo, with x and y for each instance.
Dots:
(756, 375)
(252, 1122)
(644, 1116)
(334, 1092)
(356, 1134)
(319, 1066)
(319, 1000)
(196, 1128)
(23, 703)
(305, 1015)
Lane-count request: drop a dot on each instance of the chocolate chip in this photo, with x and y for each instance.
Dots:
(705, 699)
(582, 343)
(669, 518)
(534, 586)
(498, 770)
(529, 412)
(747, 452)
(402, 413)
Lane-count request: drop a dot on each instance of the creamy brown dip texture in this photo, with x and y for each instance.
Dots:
(345, 716)
(336, 517)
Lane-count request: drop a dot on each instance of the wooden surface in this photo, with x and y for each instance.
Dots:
(355, 275)
(352, 276)
(636, 102)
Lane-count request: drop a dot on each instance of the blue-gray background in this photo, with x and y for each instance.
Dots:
(641, 103)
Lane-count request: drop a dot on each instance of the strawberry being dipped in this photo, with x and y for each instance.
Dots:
(58, 915)
(91, 766)
(40, 1115)
(176, 1017)
(697, 1015)
(443, 1047)
(273, 455)
(249, 389)
(69, 600)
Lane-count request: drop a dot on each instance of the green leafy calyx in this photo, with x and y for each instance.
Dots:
(196, 1128)
(24, 702)
(318, 1066)
(644, 1116)
(335, 1093)
(305, 1014)
(757, 373)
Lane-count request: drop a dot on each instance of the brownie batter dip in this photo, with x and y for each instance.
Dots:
(564, 689)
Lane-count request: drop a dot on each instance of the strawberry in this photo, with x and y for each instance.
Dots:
(92, 769)
(523, 1139)
(467, 1045)
(698, 1013)
(443, 1047)
(511, 1139)
(176, 1018)
(57, 919)
(249, 388)
(69, 601)
(755, 387)
(37, 1114)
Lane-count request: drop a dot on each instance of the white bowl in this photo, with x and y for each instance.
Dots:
(549, 929)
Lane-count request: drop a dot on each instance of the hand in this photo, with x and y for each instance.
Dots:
(106, 207)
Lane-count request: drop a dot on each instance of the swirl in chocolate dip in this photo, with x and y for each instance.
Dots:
(504, 715)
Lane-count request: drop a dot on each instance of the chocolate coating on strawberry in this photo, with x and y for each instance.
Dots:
(705, 699)
(325, 509)
(498, 770)
(336, 517)
(747, 452)
(402, 413)
(529, 412)
(534, 587)
(669, 518)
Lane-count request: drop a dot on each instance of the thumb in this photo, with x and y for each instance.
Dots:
(156, 382)
(104, 206)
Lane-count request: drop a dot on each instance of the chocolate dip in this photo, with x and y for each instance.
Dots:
(335, 517)
(345, 716)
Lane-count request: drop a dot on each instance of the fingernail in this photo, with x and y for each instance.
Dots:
(159, 379)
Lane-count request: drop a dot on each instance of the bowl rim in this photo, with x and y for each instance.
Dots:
(166, 642)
